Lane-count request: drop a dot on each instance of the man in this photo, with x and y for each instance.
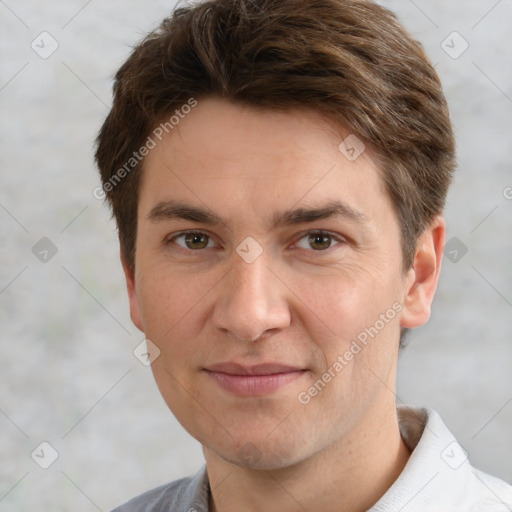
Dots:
(278, 170)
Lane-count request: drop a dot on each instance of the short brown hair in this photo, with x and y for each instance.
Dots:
(348, 59)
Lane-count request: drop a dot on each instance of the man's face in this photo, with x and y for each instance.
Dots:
(263, 253)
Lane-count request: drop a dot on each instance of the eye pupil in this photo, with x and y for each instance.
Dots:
(196, 241)
(319, 241)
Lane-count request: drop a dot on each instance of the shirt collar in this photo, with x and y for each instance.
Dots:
(438, 475)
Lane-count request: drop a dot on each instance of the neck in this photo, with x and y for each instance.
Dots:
(352, 474)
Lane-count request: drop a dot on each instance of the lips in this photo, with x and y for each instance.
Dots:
(254, 380)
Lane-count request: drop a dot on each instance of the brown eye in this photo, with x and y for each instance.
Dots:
(192, 240)
(320, 241)
(196, 240)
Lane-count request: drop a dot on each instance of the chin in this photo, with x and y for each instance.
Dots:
(249, 456)
(261, 452)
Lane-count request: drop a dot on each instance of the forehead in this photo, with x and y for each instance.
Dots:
(223, 155)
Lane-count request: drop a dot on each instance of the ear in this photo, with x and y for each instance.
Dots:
(422, 277)
(129, 273)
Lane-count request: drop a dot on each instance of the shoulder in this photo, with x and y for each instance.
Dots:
(486, 492)
(438, 475)
(184, 495)
(458, 483)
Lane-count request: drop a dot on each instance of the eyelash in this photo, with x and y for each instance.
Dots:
(334, 238)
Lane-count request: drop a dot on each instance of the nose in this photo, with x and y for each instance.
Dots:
(251, 301)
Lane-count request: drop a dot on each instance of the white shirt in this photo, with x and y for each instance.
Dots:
(437, 478)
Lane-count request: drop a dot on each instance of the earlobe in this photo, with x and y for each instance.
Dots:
(423, 276)
(129, 273)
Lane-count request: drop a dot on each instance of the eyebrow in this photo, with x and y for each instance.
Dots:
(168, 210)
(331, 209)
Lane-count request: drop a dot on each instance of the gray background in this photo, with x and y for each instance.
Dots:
(68, 374)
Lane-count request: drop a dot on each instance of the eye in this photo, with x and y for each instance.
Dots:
(193, 240)
(318, 241)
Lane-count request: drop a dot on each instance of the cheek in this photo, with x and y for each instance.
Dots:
(345, 301)
(173, 310)
(169, 296)
(354, 363)
(352, 318)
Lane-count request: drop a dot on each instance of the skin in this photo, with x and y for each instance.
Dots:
(300, 303)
